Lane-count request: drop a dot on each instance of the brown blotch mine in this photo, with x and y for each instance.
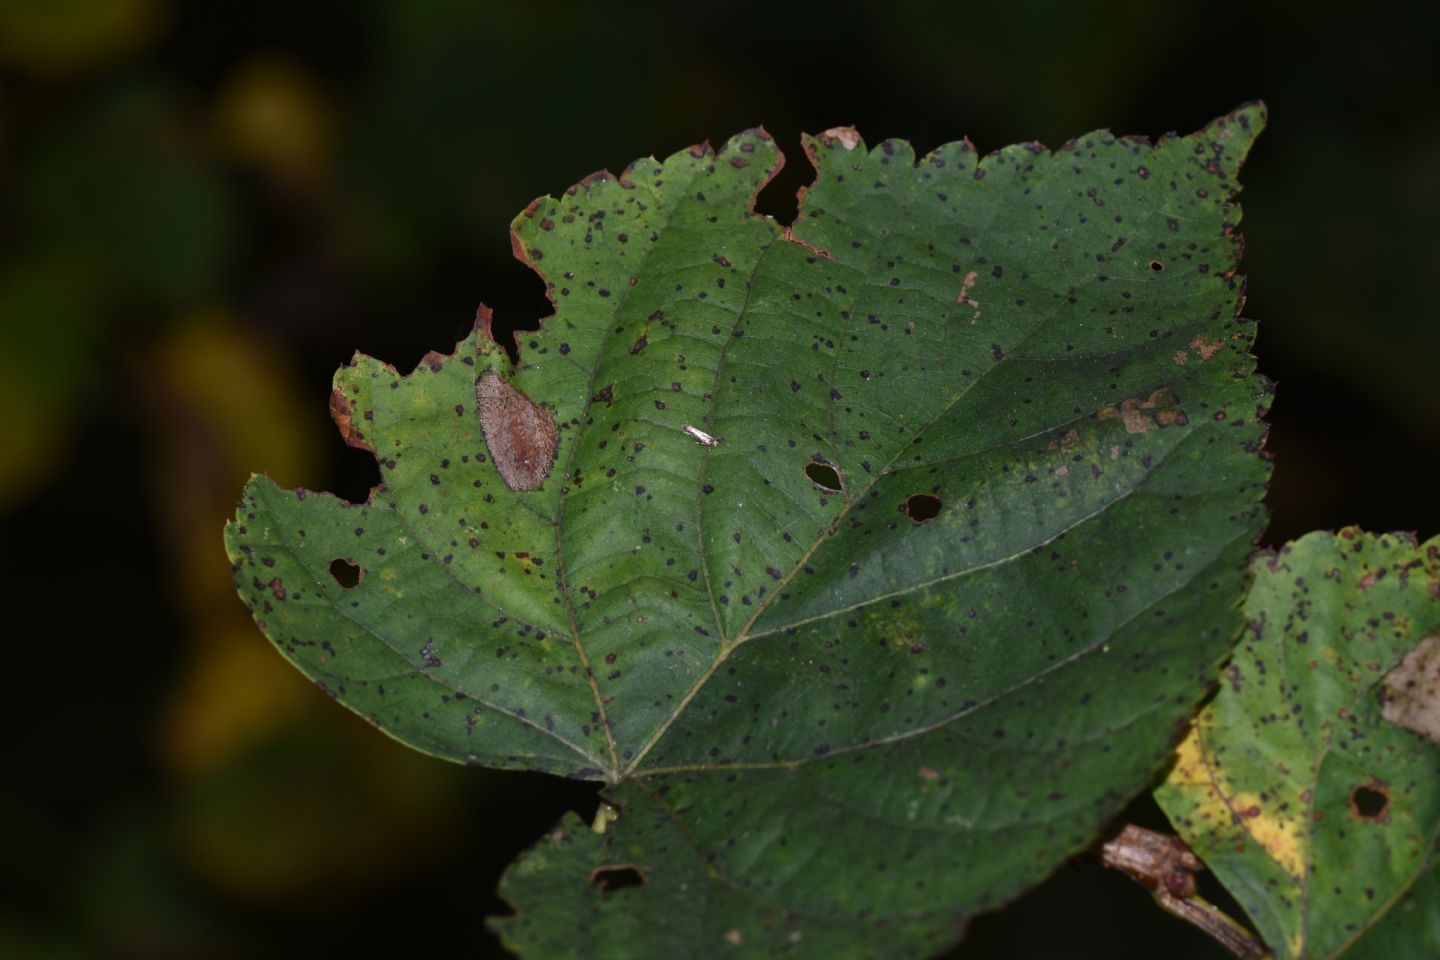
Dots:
(849, 137)
(964, 298)
(1207, 350)
(520, 433)
(1410, 696)
(1160, 409)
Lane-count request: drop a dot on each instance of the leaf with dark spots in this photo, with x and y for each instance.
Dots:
(1410, 927)
(1295, 785)
(755, 583)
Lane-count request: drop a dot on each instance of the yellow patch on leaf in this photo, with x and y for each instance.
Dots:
(1282, 838)
(1218, 805)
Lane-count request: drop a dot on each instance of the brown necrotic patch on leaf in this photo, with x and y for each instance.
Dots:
(344, 416)
(964, 297)
(520, 433)
(1410, 696)
(821, 252)
(1065, 441)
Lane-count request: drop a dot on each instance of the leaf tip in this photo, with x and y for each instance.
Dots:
(1234, 133)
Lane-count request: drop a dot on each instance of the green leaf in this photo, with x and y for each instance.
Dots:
(880, 560)
(1409, 929)
(1315, 811)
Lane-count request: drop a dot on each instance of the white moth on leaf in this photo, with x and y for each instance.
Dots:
(701, 436)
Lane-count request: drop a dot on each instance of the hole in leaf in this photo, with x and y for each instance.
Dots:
(1370, 802)
(346, 574)
(620, 876)
(921, 507)
(779, 196)
(1156, 265)
(823, 475)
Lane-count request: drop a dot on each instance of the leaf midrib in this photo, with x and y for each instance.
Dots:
(562, 566)
(744, 635)
(704, 559)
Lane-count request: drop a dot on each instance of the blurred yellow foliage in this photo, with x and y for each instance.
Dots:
(35, 437)
(326, 809)
(273, 115)
(59, 39)
(276, 786)
(218, 401)
(46, 328)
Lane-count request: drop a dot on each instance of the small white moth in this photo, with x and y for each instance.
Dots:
(701, 436)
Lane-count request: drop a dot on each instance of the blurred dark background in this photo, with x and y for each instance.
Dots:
(206, 207)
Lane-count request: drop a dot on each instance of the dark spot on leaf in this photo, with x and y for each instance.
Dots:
(1156, 265)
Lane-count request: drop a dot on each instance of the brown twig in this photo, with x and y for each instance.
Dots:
(1165, 866)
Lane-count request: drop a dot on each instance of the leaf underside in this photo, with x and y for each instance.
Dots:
(1316, 813)
(872, 563)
